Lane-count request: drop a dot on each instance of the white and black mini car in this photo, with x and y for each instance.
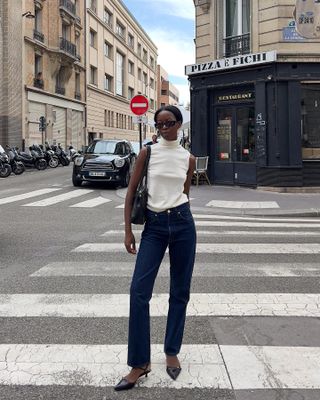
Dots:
(105, 160)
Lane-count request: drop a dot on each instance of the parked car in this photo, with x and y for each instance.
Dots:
(105, 160)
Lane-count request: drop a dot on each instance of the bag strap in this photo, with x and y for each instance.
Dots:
(146, 163)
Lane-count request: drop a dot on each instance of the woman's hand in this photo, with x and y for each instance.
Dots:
(130, 243)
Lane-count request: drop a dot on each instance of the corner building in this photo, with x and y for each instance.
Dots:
(255, 91)
(121, 63)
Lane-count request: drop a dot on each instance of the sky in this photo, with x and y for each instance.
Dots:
(170, 25)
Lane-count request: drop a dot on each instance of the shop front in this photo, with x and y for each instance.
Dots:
(257, 119)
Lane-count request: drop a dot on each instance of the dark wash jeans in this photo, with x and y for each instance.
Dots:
(175, 229)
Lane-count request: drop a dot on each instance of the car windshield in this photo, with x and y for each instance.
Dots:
(102, 147)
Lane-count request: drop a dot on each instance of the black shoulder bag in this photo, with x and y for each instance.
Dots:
(139, 205)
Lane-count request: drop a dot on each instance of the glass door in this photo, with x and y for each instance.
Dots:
(235, 145)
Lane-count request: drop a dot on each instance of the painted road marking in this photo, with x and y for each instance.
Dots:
(125, 269)
(97, 201)
(216, 248)
(58, 199)
(242, 204)
(201, 304)
(28, 195)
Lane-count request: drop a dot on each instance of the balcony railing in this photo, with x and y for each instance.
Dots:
(69, 6)
(68, 47)
(237, 45)
(60, 90)
(38, 35)
(38, 83)
(77, 95)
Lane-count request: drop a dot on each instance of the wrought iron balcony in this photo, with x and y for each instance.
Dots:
(60, 90)
(68, 47)
(38, 83)
(38, 35)
(237, 45)
(68, 6)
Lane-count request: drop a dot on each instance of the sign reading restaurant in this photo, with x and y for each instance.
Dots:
(231, 62)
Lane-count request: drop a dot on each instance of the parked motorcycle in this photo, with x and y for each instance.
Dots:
(17, 166)
(32, 159)
(5, 168)
(64, 159)
(49, 155)
(73, 153)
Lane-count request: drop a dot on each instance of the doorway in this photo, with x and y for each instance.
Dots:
(234, 145)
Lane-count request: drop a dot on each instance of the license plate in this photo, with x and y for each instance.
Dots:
(96, 173)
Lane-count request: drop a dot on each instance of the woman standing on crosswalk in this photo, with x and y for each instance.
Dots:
(170, 225)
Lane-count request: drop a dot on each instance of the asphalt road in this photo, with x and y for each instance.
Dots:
(252, 330)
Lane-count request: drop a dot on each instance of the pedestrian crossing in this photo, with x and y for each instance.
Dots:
(97, 200)
(253, 356)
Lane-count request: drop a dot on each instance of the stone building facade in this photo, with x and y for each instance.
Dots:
(121, 63)
(43, 65)
(255, 91)
(10, 72)
(54, 71)
(167, 92)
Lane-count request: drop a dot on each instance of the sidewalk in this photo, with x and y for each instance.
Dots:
(237, 200)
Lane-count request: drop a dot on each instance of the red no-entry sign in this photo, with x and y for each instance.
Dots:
(139, 104)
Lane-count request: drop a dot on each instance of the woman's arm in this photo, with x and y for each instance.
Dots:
(129, 240)
(192, 166)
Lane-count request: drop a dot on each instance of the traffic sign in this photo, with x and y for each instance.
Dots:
(139, 104)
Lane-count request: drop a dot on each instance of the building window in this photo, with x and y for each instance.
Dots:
(130, 92)
(152, 104)
(145, 55)
(164, 92)
(108, 82)
(107, 17)
(237, 27)
(139, 74)
(93, 38)
(139, 49)
(152, 83)
(130, 67)
(120, 30)
(130, 41)
(93, 75)
(310, 116)
(119, 74)
(151, 62)
(93, 6)
(77, 93)
(108, 50)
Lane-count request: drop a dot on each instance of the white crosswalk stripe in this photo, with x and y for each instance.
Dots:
(206, 365)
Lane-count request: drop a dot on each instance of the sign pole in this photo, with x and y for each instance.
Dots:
(140, 134)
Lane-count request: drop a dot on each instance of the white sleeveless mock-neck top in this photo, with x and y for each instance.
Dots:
(167, 173)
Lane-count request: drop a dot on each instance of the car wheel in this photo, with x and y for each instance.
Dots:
(76, 180)
(126, 179)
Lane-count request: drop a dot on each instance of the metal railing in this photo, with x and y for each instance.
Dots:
(60, 90)
(68, 5)
(38, 83)
(237, 45)
(38, 35)
(68, 47)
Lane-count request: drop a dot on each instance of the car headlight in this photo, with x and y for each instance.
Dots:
(119, 162)
(78, 161)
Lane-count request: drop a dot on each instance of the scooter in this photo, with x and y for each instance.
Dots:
(5, 168)
(32, 159)
(17, 166)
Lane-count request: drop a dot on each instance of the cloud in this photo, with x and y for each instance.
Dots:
(174, 51)
(179, 8)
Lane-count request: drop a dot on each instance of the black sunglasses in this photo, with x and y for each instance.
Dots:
(167, 124)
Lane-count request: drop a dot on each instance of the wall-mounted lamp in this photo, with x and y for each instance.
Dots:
(28, 14)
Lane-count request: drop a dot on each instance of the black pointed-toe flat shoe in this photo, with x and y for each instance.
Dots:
(124, 384)
(173, 372)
